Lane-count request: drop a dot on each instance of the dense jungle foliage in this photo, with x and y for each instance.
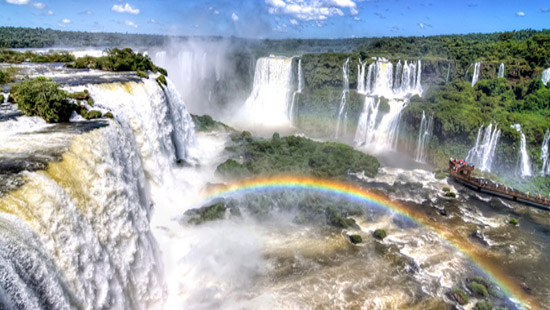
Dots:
(295, 155)
(42, 97)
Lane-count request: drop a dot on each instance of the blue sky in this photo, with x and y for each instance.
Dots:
(279, 18)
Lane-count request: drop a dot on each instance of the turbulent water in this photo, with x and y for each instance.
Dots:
(90, 212)
(545, 76)
(268, 104)
(500, 71)
(424, 135)
(77, 234)
(380, 129)
(475, 76)
(545, 154)
(291, 112)
(342, 113)
(483, 152)
(523, 167)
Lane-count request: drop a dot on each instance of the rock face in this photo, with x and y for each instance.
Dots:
(216, 210)
(379, 234)
(355, 239)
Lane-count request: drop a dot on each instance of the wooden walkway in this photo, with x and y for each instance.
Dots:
(462, 174)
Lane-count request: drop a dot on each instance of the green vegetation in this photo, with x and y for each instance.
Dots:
(513, 221)
(161, 80)
(142, 74)
(478, 289)
(297, 156)
(8, 75)
(108, 115)
(459, 296)
(42, 97)
(2, 98)
(355, 239)
(459, 111)
(118, 60)
(446, 189)
(90, 102)
(450, 194)
(207, 123)
(379, 234)
(10, 56)
(483, 305)
(212, 212)
(83, 95)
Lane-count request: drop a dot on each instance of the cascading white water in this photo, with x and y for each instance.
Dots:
(475, 76)
(483, 152)
(523, 168)
(501, 71)
(268, 104)
(291, 112)
(361, 83)
(545, 76)
(545, 154)
(424, 136)
(77, 235)
(342, 113)
(382, 129)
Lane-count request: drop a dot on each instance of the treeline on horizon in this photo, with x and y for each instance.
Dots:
(530, 45)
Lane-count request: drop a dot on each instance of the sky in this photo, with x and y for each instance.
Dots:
(279, 18)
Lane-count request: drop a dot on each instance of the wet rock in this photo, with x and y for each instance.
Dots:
(459, 296)
(216, 210)
(379, 234)
(355, 239)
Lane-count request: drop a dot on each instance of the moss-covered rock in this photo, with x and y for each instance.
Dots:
(161, 80)
(459, 296)
(450, 194)
(214, 211)
(108, 115)
(93, 114)
(355, 239)
(42, 97)
(82, 95)
(513, 221)
(483, 305)
(2, 99)
(379, 234)
(142, 74)
(90, 102)
(207, 123)
(299, 156)
(478, 289)
(446, 189)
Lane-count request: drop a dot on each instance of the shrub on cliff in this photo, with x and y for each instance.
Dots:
(43, 97)
(119, 60)
(301, 156)
(8, 75)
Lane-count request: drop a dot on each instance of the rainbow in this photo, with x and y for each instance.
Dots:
(352, 192)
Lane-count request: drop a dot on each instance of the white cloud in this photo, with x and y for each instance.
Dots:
(127, 8)
(130, 23)
(18, 2)
(66, 21)
(38, 5)
(311, 10)
(294, 22)
(49, 12)
(87, 12)
(216, 12)
(421, 25)
(356, 18)
(234, 17)
(520, 13)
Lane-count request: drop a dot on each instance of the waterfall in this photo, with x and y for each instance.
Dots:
(424, 136)
(545, 154)
(545, 76)
(483, 153)
(501, 71)
(398, 76)
(380, 127)
(298, 91)
(342, 110)
(475, 77)
(523, 168)
(268, 103)
(361, 83)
